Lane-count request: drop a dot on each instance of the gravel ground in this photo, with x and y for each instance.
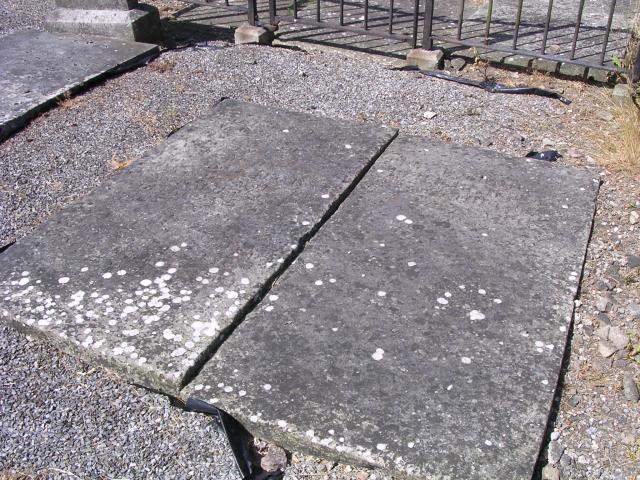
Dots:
(96, 426)
(18, 14)
(59, 417)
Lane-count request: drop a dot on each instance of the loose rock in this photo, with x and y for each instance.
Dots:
(630, 388)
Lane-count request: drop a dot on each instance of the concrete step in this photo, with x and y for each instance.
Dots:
(422, 329)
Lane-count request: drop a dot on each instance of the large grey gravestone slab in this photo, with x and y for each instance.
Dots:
(422, 329)
(38, 68)
(150, 271)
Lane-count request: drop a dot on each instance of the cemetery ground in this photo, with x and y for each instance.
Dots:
(61, 418)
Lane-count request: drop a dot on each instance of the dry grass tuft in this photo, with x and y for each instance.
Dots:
(162, 66)
(70, 103)
(619, 146)
(116, 164)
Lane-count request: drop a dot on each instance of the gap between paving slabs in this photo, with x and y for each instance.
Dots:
(144, 273)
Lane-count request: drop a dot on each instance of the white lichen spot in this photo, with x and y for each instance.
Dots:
(401, 218)
(488, 443)
(465, 360)
(308, 266)
(174, 248)
(482, 291)
(244, 281)
(121, 272)
(107, 275)
(325, 195)
(442, 301)
(159, 264)
(545, 382)
(318, 282)
(497, 300)
(84, 269)
(411, 444)
(282, 423)
(23, 281)
(273, 298)
(228, 389)
(63, 280)
(347, 146)
(242, 393)
(378, 354)
(411, 264)
(381, 446)
(267, 386)
(382, 293)
(476, 315)
(178, 352)
(231, 294)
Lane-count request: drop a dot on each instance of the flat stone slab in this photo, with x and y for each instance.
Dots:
(151, 270)
(422, 329)
(38, 68)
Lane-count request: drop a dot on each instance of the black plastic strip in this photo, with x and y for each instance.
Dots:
(489, 86)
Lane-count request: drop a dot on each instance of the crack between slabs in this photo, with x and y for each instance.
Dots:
(209, 352)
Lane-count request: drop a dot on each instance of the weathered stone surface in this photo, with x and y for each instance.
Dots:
(422, 328)
(252, 34)
(39, 67)
(151, 269)
(425, 59)
(140, 24)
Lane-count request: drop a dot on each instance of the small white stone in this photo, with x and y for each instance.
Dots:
(378, 354)
(476, 315)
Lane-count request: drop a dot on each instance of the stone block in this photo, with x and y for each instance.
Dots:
(141, 24)
(253, 34)
(425, 59)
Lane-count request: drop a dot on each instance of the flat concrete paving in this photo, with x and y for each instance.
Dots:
(38, 68)
(422, 329)
(149, 271)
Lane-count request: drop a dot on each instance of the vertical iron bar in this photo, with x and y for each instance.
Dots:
(546, 28)
(607, 31)
(517, 29)
(295, 9)
(427, 40)
(252, 10)
(460, 18)
(577, 31)
(272, 12)
(390, 16)
(487, 27)
(226, 2)
(366, 14)
(416, 8)
(341, 12)
(318, 11)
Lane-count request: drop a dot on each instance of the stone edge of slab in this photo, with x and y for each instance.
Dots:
(15, 124)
